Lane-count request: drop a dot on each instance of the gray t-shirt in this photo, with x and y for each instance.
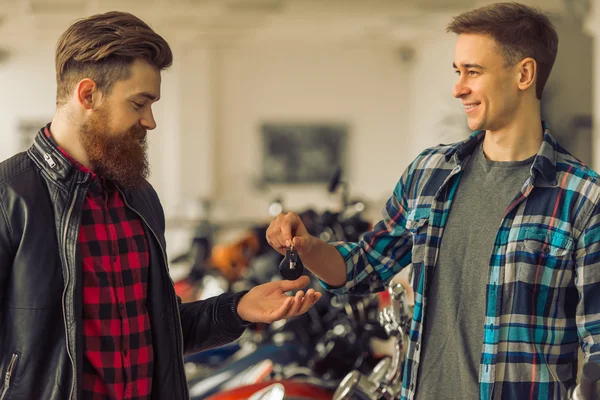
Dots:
(453, 328)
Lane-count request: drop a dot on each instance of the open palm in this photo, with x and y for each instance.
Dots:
(268, 302)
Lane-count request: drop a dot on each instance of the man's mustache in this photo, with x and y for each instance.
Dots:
(138, 134)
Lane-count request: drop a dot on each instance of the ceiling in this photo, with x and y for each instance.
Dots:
(30, 23)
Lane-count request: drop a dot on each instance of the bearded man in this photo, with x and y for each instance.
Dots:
(87, 307)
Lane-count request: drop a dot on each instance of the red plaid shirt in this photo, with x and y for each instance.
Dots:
(117, 342)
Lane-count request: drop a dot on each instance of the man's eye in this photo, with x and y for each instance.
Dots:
(137, 106)
(457, 72)
(473, 73)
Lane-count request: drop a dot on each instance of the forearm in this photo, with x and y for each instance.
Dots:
(211, 323)
(326, 263)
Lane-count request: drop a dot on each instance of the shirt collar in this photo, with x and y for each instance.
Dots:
(544, 162)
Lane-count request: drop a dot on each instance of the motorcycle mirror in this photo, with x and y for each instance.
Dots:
(335, 180)
(273, 392)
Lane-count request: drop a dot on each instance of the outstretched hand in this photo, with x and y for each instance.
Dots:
(268, 302)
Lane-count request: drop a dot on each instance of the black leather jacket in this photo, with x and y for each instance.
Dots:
(41, 197)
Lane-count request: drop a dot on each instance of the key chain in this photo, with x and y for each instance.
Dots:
(291, 268)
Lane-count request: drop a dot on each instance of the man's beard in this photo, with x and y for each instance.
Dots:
(119, 157)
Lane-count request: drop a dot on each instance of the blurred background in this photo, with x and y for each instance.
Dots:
(313, 106)
(267, 97)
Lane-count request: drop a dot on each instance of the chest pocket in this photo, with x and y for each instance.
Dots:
(546, 255)
(417, 223)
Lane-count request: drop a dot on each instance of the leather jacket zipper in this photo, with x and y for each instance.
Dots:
(164, 254)
(67, 282)
(7, 376)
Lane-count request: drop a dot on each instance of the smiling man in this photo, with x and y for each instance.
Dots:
(502, 231)
(87, 307)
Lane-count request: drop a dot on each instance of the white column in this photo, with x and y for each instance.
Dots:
(199, 90)
(592, 27)
(182, 150)
(165, 149)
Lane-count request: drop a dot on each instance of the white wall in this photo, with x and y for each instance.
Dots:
(437, 117)
(593, 28)
(208, 142)
(366, 88)
(569, 90)
(28, 92)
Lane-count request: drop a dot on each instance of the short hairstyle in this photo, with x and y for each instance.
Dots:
(103, 47)
(521, 31)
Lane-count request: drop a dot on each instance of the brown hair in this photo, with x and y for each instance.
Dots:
(103, 47)
(520, 30)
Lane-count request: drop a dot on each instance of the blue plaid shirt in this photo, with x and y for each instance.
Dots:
(542, 297)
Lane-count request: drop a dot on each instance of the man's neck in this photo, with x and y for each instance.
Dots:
(66, 135)
(516, 141)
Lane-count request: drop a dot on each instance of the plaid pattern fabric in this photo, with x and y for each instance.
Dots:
(117, 341)
(542, 298)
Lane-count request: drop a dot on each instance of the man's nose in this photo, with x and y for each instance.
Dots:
(460, 89)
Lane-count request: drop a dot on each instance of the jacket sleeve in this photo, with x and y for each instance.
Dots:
(587, 281)
(211, 323)
(5, 249)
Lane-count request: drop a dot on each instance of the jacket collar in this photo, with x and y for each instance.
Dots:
(544, 163)
(51, 160)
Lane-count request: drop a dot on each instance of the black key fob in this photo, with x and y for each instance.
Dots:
(291, 268)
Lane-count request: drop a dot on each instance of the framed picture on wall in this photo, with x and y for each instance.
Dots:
(302, 152)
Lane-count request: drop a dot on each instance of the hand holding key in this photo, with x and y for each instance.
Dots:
(289, 237)
(291, 267)
(287, 230)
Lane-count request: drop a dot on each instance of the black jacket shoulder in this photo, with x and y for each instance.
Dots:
(15, 166)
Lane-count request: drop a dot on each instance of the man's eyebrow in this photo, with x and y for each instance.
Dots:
(147, 95)
(468, 65)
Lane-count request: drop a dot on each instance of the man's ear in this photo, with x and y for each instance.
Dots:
(527, 73)
(87, 94)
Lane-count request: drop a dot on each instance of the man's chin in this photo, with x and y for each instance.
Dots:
(474, 125)
(130, 183)
(123, 178)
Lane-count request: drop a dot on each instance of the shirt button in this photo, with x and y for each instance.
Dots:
(121, 306)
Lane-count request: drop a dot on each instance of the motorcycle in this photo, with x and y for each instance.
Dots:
(375, 379)
(385, 380)
(317, 348)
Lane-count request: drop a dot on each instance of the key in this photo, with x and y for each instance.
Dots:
(291, 268)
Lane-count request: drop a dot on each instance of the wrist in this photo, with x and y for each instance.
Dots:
(240, 316)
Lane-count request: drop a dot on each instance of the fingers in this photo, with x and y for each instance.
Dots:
(306, 303)
(281, 231)
(288, 226)
(276, 243)
(303, 244)
(299, 283)
(282, 311)
(309, 300)
(296, 305)
(273, 237)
